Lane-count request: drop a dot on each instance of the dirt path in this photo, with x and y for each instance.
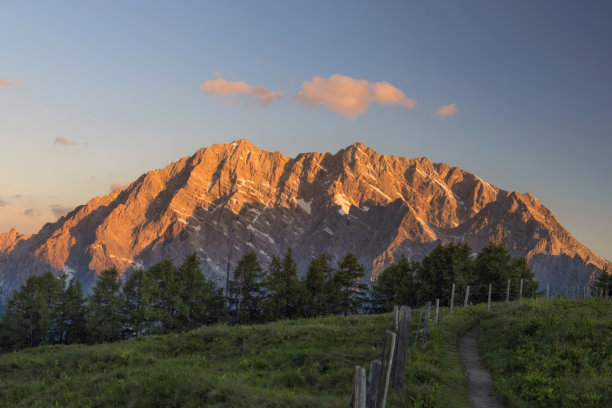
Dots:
(479, 384)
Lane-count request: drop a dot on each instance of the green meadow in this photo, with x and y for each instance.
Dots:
(541, 354)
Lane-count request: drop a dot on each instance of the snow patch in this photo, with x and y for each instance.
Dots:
(345, 205)
(330, 232)
(251, 228)
(304, 205)
(69, 272)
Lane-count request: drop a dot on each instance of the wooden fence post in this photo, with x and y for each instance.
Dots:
(489, 299)
(437, 309)
(467, 295)
(508, 291)
(387, 361)
(395, 317)
(547, 290)
(416, 336)
(521, 293)
(359, 388)
(426, 323)
(373, 383)
(398, 369)
(452, 301)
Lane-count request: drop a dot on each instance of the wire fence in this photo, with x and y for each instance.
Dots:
(390, 370)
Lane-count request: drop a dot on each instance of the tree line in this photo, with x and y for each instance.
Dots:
(166, 298)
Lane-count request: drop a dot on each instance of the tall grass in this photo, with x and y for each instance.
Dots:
(551, 353)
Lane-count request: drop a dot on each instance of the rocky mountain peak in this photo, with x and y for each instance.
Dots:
(227, 199)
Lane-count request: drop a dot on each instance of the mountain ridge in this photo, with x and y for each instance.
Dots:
(229, 198)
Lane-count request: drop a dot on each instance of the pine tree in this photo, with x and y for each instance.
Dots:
(319, 271)
(604, 282)
(286, 296)
(68, 313)
(396, 285)
(202, 298)
(443, 266)
(348, 294)
(491, 266)
(163, 292)
(133, 309)
(29, 314)
(104, 322)
(245, 290)
(518, 269)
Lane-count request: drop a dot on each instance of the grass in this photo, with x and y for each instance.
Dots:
(551, 353)
(555, 353)
(302, 363)
(434, 371)
(299, 363)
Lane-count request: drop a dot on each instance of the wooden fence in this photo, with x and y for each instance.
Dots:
(390, 370)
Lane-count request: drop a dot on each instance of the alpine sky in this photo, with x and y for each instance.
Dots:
(93, 94)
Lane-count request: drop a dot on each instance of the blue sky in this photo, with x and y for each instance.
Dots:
(121, 81)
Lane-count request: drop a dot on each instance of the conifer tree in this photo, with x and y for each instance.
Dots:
(347, 293)
(201, 297)
(29, 313)
(68, 313)
(491, 266)
(518, 269)
(443, 266)
(286, 295)
(133, 309)
(319, 271)
(397, 285)
(104, 322)
(246, 291)
(163, 293)
(604, 282)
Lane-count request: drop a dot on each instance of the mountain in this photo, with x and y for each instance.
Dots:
(228, 199)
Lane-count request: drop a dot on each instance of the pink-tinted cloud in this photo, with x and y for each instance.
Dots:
(60, 210)
(446, 111)
(221, 87)
(3, 203)
(31, 212)
(119, 186)
(9, 82)
(350, 97)
(65, 142)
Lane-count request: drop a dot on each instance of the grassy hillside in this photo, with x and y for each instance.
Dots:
(300, 363)
(290, 363)
(551, 353)
(541, 354)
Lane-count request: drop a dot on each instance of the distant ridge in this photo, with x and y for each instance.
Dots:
(228, 199)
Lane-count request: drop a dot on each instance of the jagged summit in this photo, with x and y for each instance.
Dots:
(227, 199)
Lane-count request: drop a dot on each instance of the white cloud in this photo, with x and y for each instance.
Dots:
(350, 97)
(65, 142)
(222, 87)
(446, 111)
(9, 82)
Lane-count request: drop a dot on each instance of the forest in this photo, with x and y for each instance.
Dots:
(166, 298)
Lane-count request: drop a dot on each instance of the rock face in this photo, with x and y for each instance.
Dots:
(228, 199)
